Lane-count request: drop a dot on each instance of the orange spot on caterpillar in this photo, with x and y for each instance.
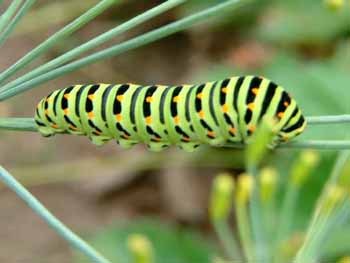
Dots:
(200, 95)
(233, 129)
(252, 128)
(187, 139)
(177, 119)
(91, 97)
(157, 139)
(55, 126)
(73, 128)
(286, 104)
(148, 120)
(118, 117)
(66, 111)
(255, 91)
(91, 115)
(149, 99)
(280, 115)
(124, 136)
(176, 99)
(201, 114)
(224, 90)
(211, 134)
(251, 106)
(119, 97)
(225, 108)
(66, 96)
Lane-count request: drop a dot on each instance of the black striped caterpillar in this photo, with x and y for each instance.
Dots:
(214, 113)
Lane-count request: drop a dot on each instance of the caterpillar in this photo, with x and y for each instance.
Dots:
(214, 113)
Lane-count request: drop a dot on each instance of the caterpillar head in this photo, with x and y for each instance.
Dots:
(42, 119)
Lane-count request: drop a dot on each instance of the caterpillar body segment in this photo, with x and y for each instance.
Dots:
(214, 113)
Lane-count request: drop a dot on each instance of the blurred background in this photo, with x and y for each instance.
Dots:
(302, 44)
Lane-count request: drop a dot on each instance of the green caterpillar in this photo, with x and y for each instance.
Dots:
(214, 113)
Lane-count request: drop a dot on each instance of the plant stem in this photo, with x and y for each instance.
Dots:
(12, 25)
(18, 124)
(58, 36)
(227, 239)
(8, 14)
(311, 120)
(49, 218)
(258, 229)
(244, 230)
(74, 53)
(123, 47)
(28, 124)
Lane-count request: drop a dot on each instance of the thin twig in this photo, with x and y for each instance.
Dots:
(326, 119)
(133, 43)
(55, 38)
(12, 25)
(76, 52)
(28, 124)
(49, 218)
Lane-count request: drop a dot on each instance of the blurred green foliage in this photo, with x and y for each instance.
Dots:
(170, 244)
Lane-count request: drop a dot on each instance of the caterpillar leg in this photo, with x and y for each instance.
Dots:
(126, 144)
(157, 146)
(189, 146)
(99, 140)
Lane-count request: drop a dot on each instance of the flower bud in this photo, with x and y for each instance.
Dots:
(344, 260)
(268, 183)
(335, 195)
(221, 197)
(303, 166)
(140, 248)
(334, 5)
(245, 188)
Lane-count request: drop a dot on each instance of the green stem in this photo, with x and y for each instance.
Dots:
(57, 37)
(244, 230)
(49, 218)
(345, 118)
(227, 239)
(256, 219)
(74, 53)
(123, 47)
(286, 218)
(8, 14)
(28, 124)
(12, 25)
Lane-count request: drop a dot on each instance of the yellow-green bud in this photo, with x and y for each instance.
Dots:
(335, 195)
(221, 197)
(268, 182)
(245, 188)
(303, 166)
(260, 142)
(334, 5)
(344, 260)
(344, 176)
(140, 248)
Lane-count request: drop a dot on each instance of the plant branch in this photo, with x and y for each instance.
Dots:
(12, 25)
(58, 36)
(93, 43)
(345, 118)
(28, 124)
(49, 218)
(9, 13)
(123, 47)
